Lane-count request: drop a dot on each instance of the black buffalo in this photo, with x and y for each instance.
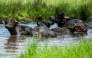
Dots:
(47, 22)
(59, 18)
(76, 25)
(15, 29)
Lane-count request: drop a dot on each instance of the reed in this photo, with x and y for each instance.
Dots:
(27, 10)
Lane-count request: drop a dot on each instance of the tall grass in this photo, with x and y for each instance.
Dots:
(82, 50)
(29, 9)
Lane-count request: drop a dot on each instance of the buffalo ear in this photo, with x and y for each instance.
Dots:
(3, 22)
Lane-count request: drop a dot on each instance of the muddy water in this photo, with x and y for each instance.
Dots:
(14, 45)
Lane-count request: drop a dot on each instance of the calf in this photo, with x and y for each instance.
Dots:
(15, 29)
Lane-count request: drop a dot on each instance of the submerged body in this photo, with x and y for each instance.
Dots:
(43, 31)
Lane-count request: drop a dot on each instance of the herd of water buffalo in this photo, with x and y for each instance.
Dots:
(66, 25)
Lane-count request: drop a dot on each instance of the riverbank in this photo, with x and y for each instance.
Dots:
(29, 9)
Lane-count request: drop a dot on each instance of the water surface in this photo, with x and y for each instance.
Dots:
(14, 45)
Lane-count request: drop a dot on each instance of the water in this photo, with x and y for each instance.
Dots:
(11, 46)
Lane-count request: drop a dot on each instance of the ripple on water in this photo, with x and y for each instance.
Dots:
(15, 46)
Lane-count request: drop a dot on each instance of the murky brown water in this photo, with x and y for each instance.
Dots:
(12, 45)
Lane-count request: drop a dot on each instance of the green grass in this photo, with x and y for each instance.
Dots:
(82, 50)
(27, 10)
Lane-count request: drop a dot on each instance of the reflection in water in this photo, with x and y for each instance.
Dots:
(11, 45)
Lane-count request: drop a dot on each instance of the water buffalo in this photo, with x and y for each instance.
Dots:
(41, 30)
(76, 25)
(15, 29)
(59, 18)
(48, 22)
